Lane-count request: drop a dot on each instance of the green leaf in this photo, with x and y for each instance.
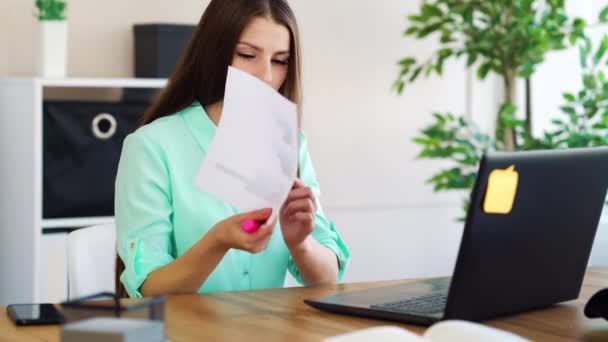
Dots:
(425, 31)
(569, 97)
(604, 15)
(471, 58)
(415, 74)
(590, 103)
(447, 52)
(583, 56)
(412, 30)
(579, 23)
(446, 36)
(587, 45)
(422, 141)
(507, 109)
(568, 110)
(601, 51)
(417, 18)
(439, 67)
(590, 113)
(527, 69)
(429, 10)
(605, 117)
(483, 70)
(439, 118)
(407, 61)
(398, 86)
(589, 81)
(462, 122)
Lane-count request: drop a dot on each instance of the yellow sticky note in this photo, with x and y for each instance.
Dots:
(500, 194)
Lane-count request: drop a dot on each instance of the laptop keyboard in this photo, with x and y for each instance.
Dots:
(429, 304)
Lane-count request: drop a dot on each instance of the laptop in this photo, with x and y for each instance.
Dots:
(526, 243)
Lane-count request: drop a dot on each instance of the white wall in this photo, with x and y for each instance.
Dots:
(360, 132)
(4, 7)
(100, 33)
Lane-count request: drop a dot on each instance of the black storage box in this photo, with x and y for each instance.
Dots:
(82, 142)
(158, 48)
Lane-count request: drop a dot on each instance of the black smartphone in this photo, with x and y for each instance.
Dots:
(34, 314)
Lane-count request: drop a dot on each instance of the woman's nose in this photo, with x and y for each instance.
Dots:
(265, 72)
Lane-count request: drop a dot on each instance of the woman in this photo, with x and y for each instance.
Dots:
(174, 238)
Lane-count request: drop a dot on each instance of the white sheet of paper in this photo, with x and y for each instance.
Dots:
(253, 159)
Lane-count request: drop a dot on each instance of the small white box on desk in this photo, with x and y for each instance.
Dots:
(109, 329)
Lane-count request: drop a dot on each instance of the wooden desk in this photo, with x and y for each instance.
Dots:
(280, 315)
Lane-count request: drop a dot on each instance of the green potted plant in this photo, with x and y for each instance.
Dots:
(52, 38)
(509, 39)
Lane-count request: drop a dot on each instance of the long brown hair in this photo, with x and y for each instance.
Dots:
(202, 70)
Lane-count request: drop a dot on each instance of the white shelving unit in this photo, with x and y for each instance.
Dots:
(32, 248)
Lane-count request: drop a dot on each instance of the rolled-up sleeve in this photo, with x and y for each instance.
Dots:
(143, 211)
(324, 230)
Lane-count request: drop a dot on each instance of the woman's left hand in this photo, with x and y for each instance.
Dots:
(297, 215)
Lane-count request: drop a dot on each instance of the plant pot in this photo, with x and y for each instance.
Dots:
(52, 48)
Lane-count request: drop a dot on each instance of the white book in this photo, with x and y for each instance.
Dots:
(446, 331)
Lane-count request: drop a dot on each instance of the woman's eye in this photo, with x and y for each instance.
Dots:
(278, 61)
(245, 55)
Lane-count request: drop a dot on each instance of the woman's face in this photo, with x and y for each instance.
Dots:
(263, 51)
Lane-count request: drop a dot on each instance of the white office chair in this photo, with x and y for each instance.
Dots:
(91, 254)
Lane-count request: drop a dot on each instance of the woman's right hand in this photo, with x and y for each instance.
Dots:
(229, 234)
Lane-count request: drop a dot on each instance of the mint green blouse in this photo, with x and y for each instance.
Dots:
(160, 213)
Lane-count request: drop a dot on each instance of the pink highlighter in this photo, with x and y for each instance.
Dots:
(250, 226)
